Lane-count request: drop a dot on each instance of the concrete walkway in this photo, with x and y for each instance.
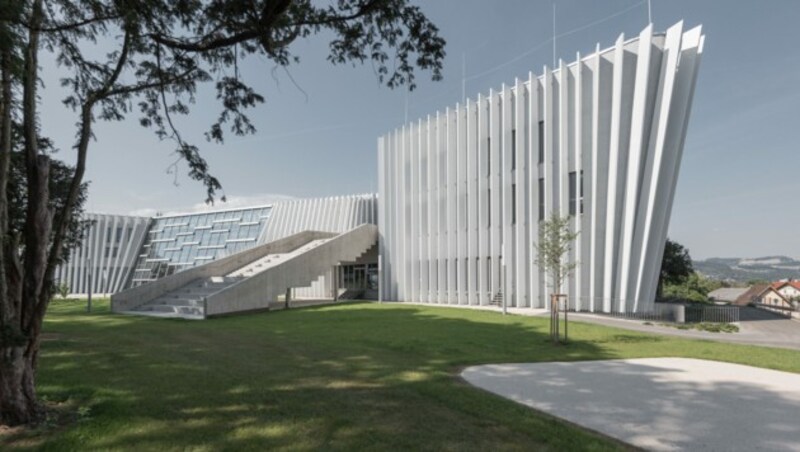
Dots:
(660, 403)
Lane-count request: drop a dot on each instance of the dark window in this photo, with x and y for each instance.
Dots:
(541, 141)
(488, 273)
(489, 156)
(465, 275)
(489, 207)
(541, 199)
(513, 149)
(575, 195)
(477, 272)
(573, 192)
(514, 204)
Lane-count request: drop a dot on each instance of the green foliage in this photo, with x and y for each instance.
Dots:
(694, 288)
(63, 290)
(555, 240)
(676, 265)
(84, 413)
(710, 327)
(157, 53)
(61, 176)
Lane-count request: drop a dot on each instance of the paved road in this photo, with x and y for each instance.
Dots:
(756, 327)
(659, 403)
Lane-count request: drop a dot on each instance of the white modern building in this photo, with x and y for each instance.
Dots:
(463, 191)
(121, 252)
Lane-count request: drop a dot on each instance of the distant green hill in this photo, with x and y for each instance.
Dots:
(737, 269)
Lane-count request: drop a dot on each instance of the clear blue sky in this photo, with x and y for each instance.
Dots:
(739, 184)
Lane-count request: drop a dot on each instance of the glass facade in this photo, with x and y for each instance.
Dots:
(363, 276)
(178, 242)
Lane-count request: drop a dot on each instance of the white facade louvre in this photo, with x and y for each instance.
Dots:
(600, 139)
(333, 214)
(110, 249)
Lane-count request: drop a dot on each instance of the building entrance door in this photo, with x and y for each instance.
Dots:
(359, 276)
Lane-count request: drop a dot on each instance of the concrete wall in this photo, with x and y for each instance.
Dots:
(256, 293)
(137, 296)
(676, 311)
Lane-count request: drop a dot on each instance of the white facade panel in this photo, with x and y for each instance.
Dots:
(599, 139)
(107, 255)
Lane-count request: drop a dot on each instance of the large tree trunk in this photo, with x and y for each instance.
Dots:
(18, 403)
(26, 290)
(28, 293)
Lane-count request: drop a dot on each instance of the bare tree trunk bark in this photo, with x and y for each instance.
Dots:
(24, 289)
(6, 312)
(17, 386)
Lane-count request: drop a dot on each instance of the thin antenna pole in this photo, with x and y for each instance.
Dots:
(463, 76)
(649, 12)
(554, 34)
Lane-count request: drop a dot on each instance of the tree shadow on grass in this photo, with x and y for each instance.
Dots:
(349, 376)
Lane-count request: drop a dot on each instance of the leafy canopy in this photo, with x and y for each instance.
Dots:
(150, 56)
(676, 266)
(555, 241)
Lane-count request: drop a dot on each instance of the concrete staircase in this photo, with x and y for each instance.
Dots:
(249, 281)
(297, 269)
(497, 300)
(272, 260)
(188, 301)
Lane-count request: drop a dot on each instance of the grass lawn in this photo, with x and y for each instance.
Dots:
(349, 376)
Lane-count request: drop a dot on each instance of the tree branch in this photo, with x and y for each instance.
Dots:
(37, 229)
(204, 44)
(61, 27)
(80, 167)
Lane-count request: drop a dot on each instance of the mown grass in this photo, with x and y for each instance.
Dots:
(348, 377)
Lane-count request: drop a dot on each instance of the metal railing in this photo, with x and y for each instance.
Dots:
(670, 312)
(657, 315)
(711, 314)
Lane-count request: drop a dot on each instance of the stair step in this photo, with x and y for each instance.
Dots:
(177, 302)
(189, 310)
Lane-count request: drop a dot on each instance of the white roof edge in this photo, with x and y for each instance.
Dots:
(557, 68)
